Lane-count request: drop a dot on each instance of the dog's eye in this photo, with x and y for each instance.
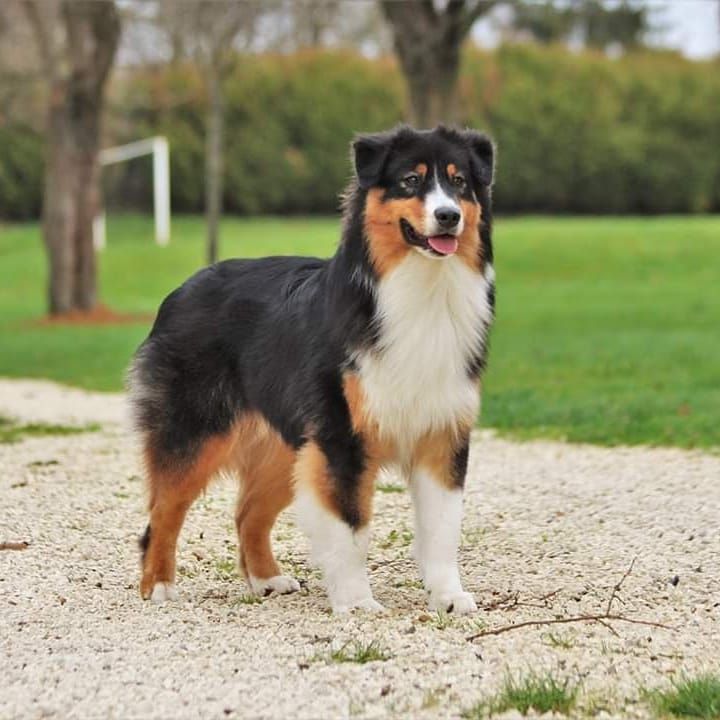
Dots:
(411, 181)
(458, 181)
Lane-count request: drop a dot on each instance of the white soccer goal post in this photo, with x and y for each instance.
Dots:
(157, 147)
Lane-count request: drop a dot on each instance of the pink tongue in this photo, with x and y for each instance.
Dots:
(444, 244)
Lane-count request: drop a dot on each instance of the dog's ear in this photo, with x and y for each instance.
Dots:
(370, 153)
(482, 158)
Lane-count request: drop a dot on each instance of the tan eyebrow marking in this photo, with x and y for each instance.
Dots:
(421, 169)
(452, 170)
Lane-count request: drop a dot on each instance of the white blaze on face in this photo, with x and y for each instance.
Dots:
(438, 198)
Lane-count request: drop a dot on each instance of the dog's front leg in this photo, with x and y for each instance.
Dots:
(333, 503)
(436, 485)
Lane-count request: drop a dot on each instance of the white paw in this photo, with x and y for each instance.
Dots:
(164, 591)
(366, 604)
(458, 602)
(280, 584)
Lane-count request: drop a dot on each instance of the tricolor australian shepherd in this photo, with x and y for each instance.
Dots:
(307, 376)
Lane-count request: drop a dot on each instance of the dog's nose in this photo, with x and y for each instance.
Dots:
(447, 217)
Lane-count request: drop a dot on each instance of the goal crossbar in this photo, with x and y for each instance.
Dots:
(159, 148)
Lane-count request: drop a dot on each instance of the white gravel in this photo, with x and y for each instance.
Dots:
(76, 641)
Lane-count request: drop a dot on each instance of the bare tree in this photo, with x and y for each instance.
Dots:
(19, 67)
(291, 25)
(76, 40)
(311, 20)
(428, 40)
(212, 31)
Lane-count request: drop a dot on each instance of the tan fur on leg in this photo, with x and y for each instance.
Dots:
(264, 463)
(172, 492)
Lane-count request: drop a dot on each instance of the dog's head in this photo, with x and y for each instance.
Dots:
(424, 192)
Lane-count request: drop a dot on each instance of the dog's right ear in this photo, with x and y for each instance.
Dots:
(370, 153)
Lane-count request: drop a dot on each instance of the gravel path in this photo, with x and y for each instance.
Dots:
(77, 641)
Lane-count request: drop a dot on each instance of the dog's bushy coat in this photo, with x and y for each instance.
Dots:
(279, 354)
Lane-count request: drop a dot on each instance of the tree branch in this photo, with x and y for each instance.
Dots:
(92, 52)
(474, 11)
(36, 13)
(603, 619)
(573, 619)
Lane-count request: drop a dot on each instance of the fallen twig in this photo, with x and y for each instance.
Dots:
(617, 586)
(512, 601)
(575, 618)
(23, 545)
(603, 618)
(504, 603)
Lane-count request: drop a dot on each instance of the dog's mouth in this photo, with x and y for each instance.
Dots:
(439, 245)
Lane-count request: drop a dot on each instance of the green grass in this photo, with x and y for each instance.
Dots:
(390, 488)
(607, 328)
(11, 431)
(558, 640)
(541, 693)
(442, 620)
(394, 538)
(226, 568)
(360, 653)
(690, 698)
(249, 599)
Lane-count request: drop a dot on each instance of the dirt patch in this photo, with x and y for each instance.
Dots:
(100, 315)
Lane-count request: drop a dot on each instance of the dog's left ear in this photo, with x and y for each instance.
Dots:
(370, 153)
(482, 157)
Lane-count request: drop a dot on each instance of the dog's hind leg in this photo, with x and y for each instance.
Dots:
(264, 463)
(173, 488)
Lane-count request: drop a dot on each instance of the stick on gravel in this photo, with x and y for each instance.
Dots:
(602, 619)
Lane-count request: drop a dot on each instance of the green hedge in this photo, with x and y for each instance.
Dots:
(592, 135)
(21, 169)
(289, 120)
(576, 132)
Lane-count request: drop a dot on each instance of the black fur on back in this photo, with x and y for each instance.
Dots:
(273, 335)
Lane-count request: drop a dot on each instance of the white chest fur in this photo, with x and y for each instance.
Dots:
(433, 315)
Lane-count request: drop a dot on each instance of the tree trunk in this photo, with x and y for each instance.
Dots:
(71, 201)
(77, 74)
(432, 80)
(428, 42)
(214, 160)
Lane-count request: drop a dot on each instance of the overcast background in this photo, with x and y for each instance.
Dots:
(690, 26)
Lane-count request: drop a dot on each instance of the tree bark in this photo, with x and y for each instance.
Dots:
(71, 200)
(432, 80)
(428, 43)
(76, 72)
(214, 160)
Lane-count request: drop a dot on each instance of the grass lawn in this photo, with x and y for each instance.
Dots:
(608, 330)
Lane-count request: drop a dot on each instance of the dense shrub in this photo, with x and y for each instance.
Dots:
(20, 172)
(289, 121)
(576, 132)
(589, 134)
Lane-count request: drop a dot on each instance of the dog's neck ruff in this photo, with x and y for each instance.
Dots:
(433, 318)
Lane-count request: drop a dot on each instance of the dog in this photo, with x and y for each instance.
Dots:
(307, 376)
